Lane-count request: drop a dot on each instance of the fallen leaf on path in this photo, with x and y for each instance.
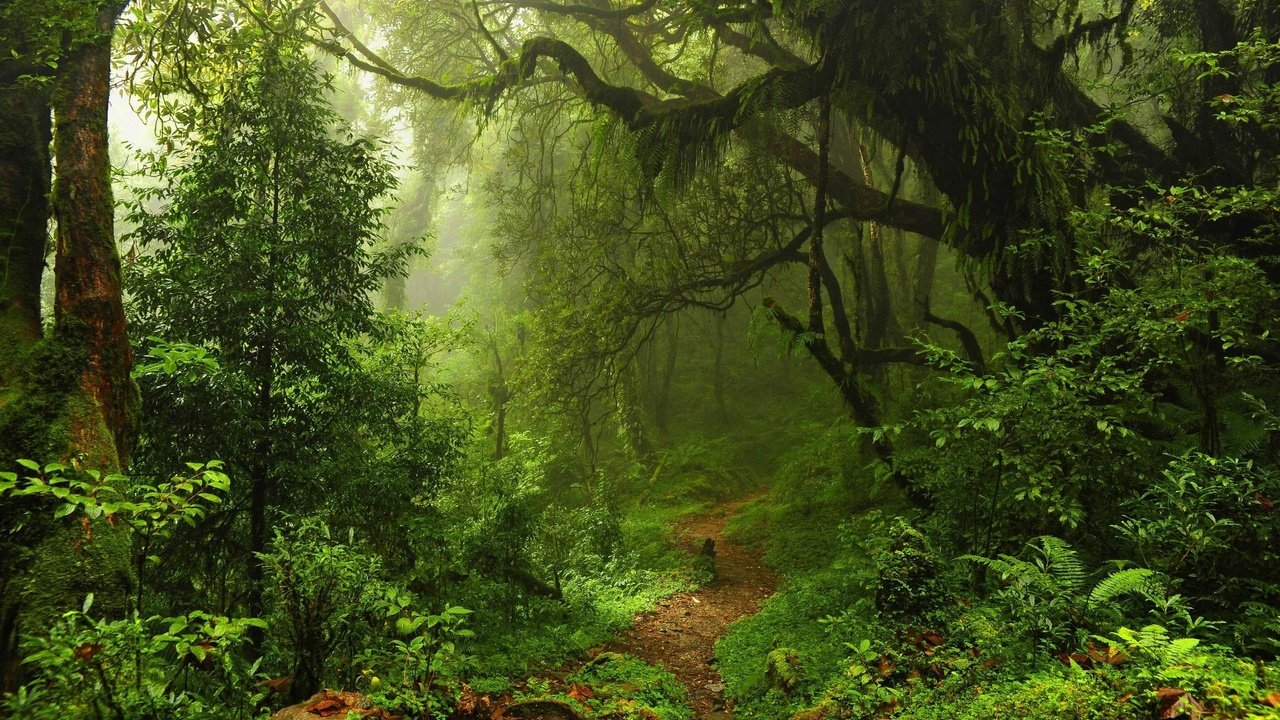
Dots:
(325, 708)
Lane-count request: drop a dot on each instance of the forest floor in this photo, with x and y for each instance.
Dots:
(680, 633)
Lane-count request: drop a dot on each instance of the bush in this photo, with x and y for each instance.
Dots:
(909, 584)
(322, 592)
(187, 667)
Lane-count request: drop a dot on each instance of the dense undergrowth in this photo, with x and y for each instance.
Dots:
(1017, 453)
(873, 621)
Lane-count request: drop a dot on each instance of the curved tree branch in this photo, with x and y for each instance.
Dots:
(582, 10)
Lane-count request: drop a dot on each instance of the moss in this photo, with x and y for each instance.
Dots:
(909, 584)
(782, 670)
(33, 419)
(54, 563)
(827, 708)
(1049, 696)
(16, 344)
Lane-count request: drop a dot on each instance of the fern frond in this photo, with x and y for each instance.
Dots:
(1121, 582)
(1019, 575)
(1061, 562)
(1006, 566)
(1177, 651)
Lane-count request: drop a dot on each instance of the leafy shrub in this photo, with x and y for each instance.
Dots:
(321, 590)
(1206, 521)
(1048, 598)
(909, 573)
(152, 512)
(187, 667)
(1062, 694)
(412, 671)
(625, 685)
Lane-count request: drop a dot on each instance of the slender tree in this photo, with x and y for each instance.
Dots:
(263, 252)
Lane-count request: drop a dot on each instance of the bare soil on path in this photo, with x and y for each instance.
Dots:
(680, 633)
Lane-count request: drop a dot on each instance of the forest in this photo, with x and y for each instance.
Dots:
(640, 359)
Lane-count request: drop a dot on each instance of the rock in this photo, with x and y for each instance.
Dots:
(715, 687)
(821, 711)
(333, 703)
(782, 670)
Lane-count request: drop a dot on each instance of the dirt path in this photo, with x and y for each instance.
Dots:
(681, 632)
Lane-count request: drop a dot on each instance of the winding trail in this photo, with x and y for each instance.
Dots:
(681, 632)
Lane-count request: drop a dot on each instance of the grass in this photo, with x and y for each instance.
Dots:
(819, 527)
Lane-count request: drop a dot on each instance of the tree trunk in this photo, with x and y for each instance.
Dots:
(89, 305)
(722, 409)
(662, 406)
(25, 133)
(70, 397)
(926, 271)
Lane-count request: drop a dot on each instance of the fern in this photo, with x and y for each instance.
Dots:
(1122, 582)
(1259, 630)
(1177, 651)
(1008, 567)
(1242, 436)
(1153, 643)
(1058, 560)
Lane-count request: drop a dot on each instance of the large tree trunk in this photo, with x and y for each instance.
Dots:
(630, 416)
(89, 309)
(662, 403)
(24, 209)
(24, 218)
(68, 397)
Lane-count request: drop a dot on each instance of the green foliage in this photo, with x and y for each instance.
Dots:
(815, 614)
(1204, 520)
(153, 512)
(697, 470)
(187, 667)
(1060, 695)
(259, 258)
(1082, 409)
(1221, 683)
(909, 586)
(626, 686)
(1048, 599)
(1120, 583)
(418, 664)
(321, 592)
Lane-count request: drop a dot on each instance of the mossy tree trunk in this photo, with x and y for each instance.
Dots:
(24, 207)
(69, 396)
(89, 307)
(25, 127)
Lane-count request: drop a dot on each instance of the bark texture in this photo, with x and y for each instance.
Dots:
(69, 396)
